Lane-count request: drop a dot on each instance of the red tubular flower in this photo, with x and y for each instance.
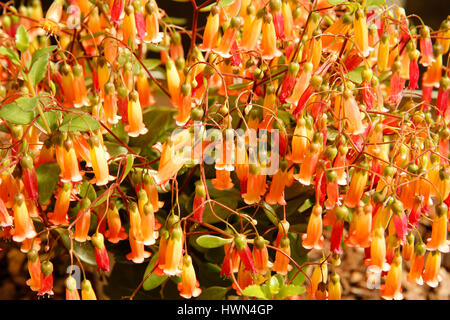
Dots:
(198, 207)
(414, 70)
(231, 260)
(442, 102)
(278, 19)
(261, 256)
(29, 177)
(244, 253)
(139, 20)
(426, 47)
(338, 229)
(116, 11)
(46, 279)
(101, 254)
(288, 82)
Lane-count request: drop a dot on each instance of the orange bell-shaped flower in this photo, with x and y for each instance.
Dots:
(71, 289)
(392, 289)
(87, 292)
(438, 240)
(357, 185)
(34, 269)
(99, 161)
(431, 274)
(261, 256)
(211, 30)
(59, 215)
(188, 286)
(313, 239)
(281, 264)
(23, 225)
(116, 231)
(83, 221)
(417, 263)
(174, 252)
(228, 39)
(152, 23)
(222, 180)
(269, 39)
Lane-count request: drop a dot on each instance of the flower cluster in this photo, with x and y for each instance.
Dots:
(86, 156)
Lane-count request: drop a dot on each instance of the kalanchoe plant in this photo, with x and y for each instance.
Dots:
(220, 161)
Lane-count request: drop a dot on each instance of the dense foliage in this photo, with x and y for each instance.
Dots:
(282, 127)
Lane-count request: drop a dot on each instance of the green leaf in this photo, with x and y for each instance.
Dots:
(270, 213)
(38, 69)
(355, 75)
(47, 177)
(153, 281)
(128, 167)
(374, 3)
(151, 64)
(289, 291)
(254, 291)
(11, 54)
(208, 241)
(175, 20)
(239, 86)
(41, 52)
(305, 206)
(88, 191)
(21, 111)
(22, 41)
(223, 3)
(78, 122)
(84, 250)
(52, 120)
(213, 293)
(115, 149)
(336, 2)
(274, 285)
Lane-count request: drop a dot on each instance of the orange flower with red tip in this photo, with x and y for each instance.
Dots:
(46, 278)
(261, 256)
(101, 255)
(188, 286)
